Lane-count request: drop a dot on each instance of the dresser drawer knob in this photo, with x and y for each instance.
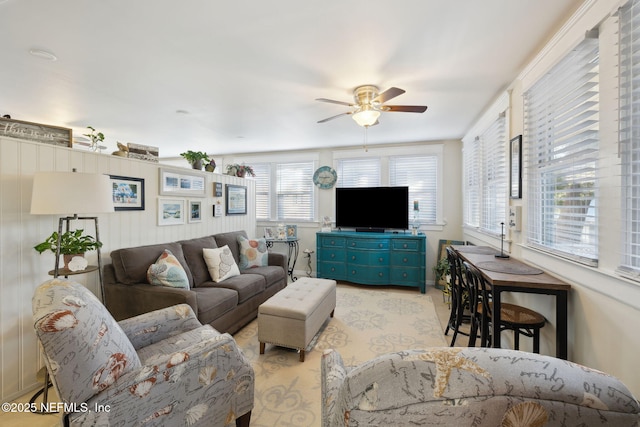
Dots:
(404, 260)
(380, 274)
(353, 258)
(405, 246)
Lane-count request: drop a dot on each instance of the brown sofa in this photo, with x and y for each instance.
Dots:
(227, 305)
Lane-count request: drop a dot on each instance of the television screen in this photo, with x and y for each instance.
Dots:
(372, 208)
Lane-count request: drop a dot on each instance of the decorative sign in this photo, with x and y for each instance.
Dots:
(143, 152)
(36, 132)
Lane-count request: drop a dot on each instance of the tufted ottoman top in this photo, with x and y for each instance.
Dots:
(299, 299)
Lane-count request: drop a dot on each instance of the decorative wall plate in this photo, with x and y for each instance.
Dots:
(325, 177)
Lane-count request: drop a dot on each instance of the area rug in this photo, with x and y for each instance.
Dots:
(368, 321)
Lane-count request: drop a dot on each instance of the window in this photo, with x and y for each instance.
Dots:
(485, 178)
(287, 187)
(630, 137)
(420, 174)
(418, 168)
(561, 133)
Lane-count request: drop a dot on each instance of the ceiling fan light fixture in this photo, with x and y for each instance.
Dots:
(366, 116)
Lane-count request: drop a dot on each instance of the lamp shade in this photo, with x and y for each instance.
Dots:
(68, 193)
(366, 116)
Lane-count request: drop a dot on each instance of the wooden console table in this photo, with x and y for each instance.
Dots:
(532, 283)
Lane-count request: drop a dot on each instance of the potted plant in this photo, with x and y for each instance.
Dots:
(441, 270)
(240, 170)
(195, 158)
(72, 243)
(95, 137)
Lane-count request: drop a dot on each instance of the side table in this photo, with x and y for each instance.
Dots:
(293, 250)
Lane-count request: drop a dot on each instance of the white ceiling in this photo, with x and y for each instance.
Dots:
(242, 76)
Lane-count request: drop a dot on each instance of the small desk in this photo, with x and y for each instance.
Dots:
(543, 283)
(293, 251)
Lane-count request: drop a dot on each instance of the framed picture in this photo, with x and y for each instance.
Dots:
(217, 189)
(195, 211)
(170, 211)
(292, 231)
(236, 199)
(269, 233)
(179, 183)
(515, 179)
(128, 193)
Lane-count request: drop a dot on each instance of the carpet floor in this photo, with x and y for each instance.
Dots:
(368, 321)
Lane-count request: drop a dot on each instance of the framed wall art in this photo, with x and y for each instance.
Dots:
(195, 211)
(128, 193)
(515, 156)
(170, 211)
(180, 183)
(236, 199)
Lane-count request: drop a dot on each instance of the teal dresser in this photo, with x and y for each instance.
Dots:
(372, 258)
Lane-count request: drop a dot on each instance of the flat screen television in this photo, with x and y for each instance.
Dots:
(372, 208)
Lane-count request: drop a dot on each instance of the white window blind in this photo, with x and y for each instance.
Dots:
(561, 133)
(263, 197)
(494, 176)
(420, 174)
(358, 172)
(295, 196)
(472, 179)
(630, 137)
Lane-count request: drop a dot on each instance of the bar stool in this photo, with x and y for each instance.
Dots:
(459, 296)
(521, 320)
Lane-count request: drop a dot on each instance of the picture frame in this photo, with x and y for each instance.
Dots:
(128, 193)
(292, 231)
(195, 211)
(171, 211)
(515, 177)
(269, 233)
(217, 189)
(236, 199)
(181, 183)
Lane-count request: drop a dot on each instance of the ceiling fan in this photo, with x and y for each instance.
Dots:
(369, 104)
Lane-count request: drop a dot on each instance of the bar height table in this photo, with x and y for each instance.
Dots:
(532, 283)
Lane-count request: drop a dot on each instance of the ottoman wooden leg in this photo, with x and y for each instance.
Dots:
(302, 355)
(332, 311)
(261, 348)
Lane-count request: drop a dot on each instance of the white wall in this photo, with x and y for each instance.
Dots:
(22, 268)
(604, 308)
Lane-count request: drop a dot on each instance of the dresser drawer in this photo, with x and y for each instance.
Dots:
(406, 244)
(365, 274)
(331, 270)
(405, 275)
(409, 259)
(381, 244)
(332, 241)
(368, 258)
(331, 254)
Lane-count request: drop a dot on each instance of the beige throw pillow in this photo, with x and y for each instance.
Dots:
(220, 263)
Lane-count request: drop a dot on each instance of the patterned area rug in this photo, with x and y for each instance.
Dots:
(368, 321)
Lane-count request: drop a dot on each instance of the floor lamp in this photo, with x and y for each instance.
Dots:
(71, 194)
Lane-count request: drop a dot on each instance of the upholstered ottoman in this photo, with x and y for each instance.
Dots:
(293, 316)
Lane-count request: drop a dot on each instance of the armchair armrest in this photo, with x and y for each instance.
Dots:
(149, 328)
(333, 374)
(209, 382)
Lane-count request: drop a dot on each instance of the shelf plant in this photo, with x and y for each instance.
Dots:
(240, 170)
(196, 158)
(95, 137)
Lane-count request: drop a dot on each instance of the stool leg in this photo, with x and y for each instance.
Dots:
(536, 341)
(516, 339)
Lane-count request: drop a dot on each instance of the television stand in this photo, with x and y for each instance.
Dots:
(369, 230)
(372, 258)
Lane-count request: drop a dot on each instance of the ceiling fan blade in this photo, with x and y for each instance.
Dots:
(335, 117)
(406, 108)
(331, 101)
(388, 94)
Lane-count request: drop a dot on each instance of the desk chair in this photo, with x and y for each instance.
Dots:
(521, 320)
(459, 296)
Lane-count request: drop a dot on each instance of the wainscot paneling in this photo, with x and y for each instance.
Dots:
(22, 268)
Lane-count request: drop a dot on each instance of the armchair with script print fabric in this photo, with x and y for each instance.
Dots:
(162, 368)
(479, 387)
